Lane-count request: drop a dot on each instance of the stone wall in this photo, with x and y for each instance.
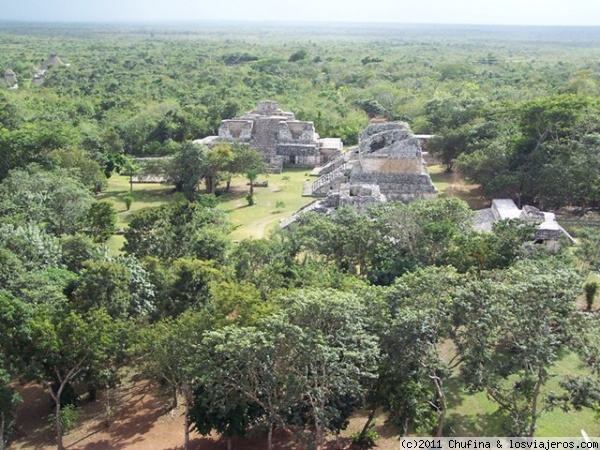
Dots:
(358, 195)
(277, 133)
(390, 157)
(236, 130)
(391, 165)
(399, 186)
(296, 131)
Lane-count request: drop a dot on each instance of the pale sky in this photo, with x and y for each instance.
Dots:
(503, 12)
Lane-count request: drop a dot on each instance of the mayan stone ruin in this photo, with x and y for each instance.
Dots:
(389, 157)
(279, 136)
(547, 228)
(387, 165)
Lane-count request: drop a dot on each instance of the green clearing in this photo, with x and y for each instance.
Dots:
(249, 221)
(476, 415)
(256, 221)
(145, 195)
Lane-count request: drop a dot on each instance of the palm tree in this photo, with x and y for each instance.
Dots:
(251, 175)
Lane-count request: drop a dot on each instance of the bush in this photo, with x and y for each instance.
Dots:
(250, 199)
(128, 199)
(590, 292)
(68, 417)
(367, 440)
(279, 205)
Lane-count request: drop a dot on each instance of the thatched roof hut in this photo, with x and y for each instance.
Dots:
(10, 78)
(54, 60)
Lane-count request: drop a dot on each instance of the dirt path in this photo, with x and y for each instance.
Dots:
(142, 422)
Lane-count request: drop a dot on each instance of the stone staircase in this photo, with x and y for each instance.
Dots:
(334, 163)
(325, 181)
(289, 220)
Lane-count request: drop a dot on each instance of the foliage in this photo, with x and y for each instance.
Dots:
(550, 157)
(52, 200)
(68, 418)
(128, 199)
(101, 221)
(8, 402)
(34, 248)
(503, 351)
(195, 229)
(297, 371)
(589, 248)
(119, 286)
(187, 168)
(78, 248)
(590, 290)
(169, 352)
(365, 440)
(57, 346)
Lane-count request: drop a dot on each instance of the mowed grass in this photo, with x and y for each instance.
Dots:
(476, 415)
(256, 221)
(145, 195)
(249, 221)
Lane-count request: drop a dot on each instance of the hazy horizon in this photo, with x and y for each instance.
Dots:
(424, 12)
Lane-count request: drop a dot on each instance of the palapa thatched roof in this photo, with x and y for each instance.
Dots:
(54, 60)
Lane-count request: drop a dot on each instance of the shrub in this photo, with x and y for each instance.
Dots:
(366, 440)
(590, 292)
(250, 199)
(68, 417)
(128, 199)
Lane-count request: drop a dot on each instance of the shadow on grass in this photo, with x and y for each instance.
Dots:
(237, 207)
(454, 390)
(233, 194)
(386, 431)
(482, 424)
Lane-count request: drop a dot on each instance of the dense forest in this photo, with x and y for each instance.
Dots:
(400, 309)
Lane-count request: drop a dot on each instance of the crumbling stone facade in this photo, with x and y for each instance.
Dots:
(279, 136)
(357, 195)
(388, 156)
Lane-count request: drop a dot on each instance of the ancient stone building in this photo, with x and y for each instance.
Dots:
(387, 165)
(389, 157)
(547, 228)
(279, 136)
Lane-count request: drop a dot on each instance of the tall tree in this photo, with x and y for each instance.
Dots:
(187, 168)
(504, 352)
(170, 352)
(57, 346)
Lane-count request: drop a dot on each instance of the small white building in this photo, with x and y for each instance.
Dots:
(548, 229)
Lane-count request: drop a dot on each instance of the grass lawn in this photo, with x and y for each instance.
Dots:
(145, 195)
(475, 415)
(257, 220)
(249, 221)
